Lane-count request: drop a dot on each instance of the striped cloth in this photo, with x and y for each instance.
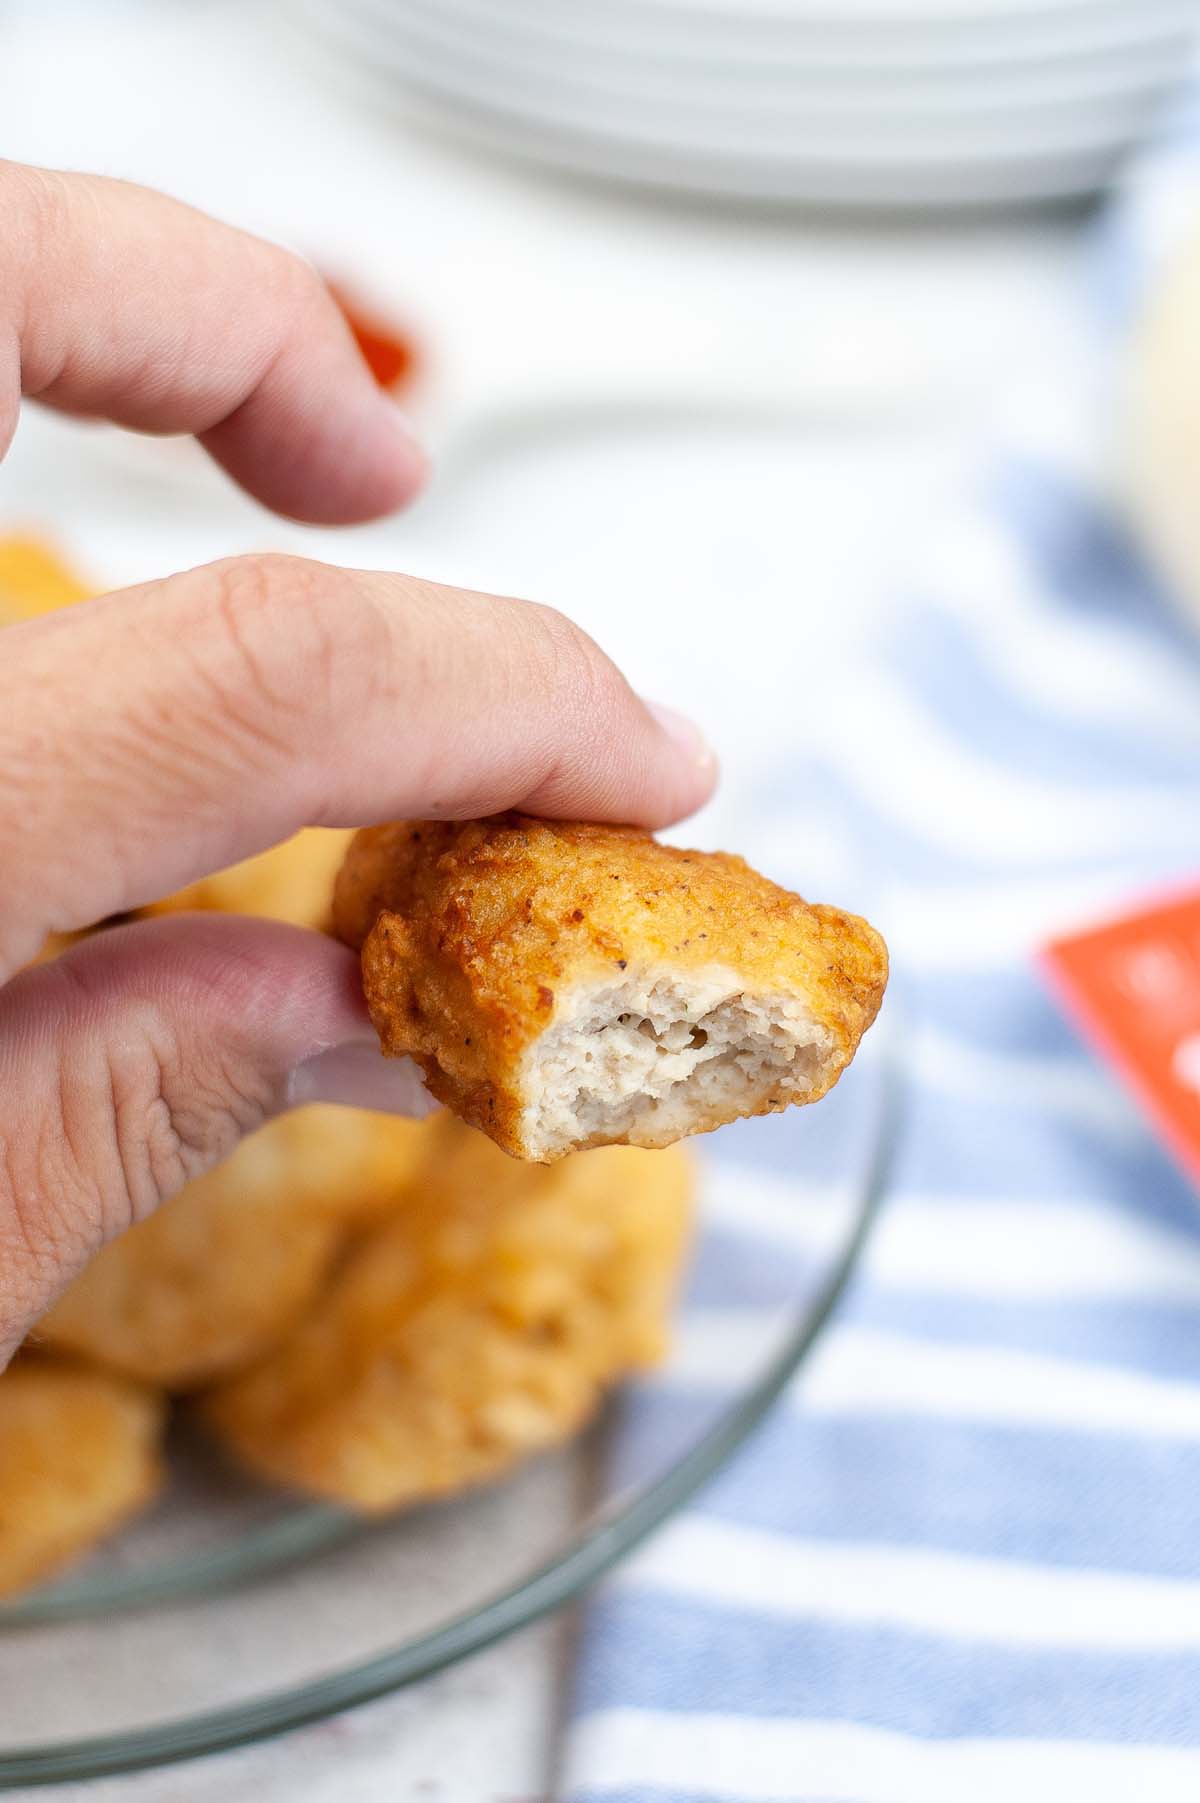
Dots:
(961, 1561)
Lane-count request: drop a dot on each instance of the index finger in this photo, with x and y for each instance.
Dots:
(161, 733)
(119, 303)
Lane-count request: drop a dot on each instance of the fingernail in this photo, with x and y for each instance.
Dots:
(684, 733)
(361, 1076)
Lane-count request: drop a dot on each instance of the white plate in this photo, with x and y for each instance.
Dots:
(725, 89)
(849, 45)
(523, 79)
(751, 15)
(873, 134)
(649, 133)
(948, 184)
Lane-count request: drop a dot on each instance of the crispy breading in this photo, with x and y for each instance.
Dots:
(564, 984)
(79, 1454)
(292, 882)
(224, 1269)
(482, 1323)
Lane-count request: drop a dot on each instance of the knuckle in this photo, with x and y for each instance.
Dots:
(573, 669)
(143, 1158)
(294, 285)
(106, 1146)
(168, 1106)
(34, 202)
(262, 585)
(281, 636)
(125, 1113)
(43, 1227)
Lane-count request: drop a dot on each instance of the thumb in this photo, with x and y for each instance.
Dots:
(138, 1059)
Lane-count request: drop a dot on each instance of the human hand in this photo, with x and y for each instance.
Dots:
(160, 733)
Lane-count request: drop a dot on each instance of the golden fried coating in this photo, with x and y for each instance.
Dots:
(34, 580)
(79, 1454)
(55, 944)
(225, 1268)
(292, 881)
(480, 1324)
(567, 985)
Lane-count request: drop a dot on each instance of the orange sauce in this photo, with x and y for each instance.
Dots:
(390, 355)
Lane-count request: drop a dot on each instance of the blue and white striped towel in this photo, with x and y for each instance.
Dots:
(961, 1562)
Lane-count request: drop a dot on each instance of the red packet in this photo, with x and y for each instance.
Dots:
(1133, 986)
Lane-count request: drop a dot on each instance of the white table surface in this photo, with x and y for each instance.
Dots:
(655, 417)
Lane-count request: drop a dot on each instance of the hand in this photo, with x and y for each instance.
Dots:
(158, 734)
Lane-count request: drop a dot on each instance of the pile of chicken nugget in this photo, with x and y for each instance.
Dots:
(353, 1306)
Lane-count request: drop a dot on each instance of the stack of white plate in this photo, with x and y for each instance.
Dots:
(869, 103)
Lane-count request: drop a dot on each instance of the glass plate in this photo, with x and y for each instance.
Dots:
(232, 1612)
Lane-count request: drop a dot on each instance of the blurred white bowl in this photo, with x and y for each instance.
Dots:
(862, 103)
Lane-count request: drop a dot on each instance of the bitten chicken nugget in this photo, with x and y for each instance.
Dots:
(481, 1324)
(567, 985)
(292, 881)
(225, 1268)
(79, 1454)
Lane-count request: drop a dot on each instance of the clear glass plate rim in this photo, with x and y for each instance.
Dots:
(608, 1536)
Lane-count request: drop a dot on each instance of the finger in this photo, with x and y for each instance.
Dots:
(169, 730)
(138, 1059)
(117, 302)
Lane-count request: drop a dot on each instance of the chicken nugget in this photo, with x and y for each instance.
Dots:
(566, 985)
(482, 1323)
(79, 1454)
(292, 882)
(55, 944)
(223, 1269)
(34, 580)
